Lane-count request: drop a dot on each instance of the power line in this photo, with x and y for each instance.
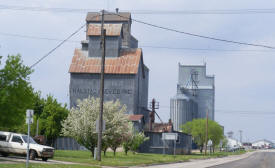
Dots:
(232, 111)
(35, 37)
(252, 114)
(165, 28)
(142, 46)
(203, 49)
(197, 35)
(143, 12)
(60, 44)
(44, 9)
(246, 111)
(199, 12)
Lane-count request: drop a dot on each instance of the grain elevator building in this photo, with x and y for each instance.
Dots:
(195, 95)
(126, 76)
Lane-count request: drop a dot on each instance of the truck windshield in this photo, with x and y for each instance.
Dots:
(25, 138)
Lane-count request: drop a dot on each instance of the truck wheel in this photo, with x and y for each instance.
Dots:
(44, 159)
(32, 154)
(4, 154)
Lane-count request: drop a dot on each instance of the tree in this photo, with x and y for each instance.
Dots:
(104, 145)
(133, 140)
(137, 140)
(224, 142)
(117, 124)
(215, 133)
(197, 128)
(126, 146)
(16, 92)
(38, 106)
(51, 118)
(81, 123)
(128, 138)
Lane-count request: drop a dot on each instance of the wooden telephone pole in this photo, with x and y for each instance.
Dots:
(206, 132)
(152, 115)
(99, 140)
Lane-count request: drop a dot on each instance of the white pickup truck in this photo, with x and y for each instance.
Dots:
(13, 143)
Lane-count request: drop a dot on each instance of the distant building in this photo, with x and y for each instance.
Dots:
(195, 95)
(262, 144)
(233, 143)
(230, 134)
(126, 75)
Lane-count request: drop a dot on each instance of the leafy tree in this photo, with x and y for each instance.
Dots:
(38, 104)
(224, 142)
(197, 128)
(81, 123)
(51, 118)
(16, 93)
(126, 146)
(117, 124)
(104, 145)
(128, 138)
(215, 133)
(137, 140)
(133, 140)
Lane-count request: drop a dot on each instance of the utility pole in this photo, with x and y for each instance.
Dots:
(241, 136)
(206, 132)
(99, 140)
(29, 120)
(37, 127)
(152, 115)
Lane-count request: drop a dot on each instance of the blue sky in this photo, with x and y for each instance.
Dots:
(245, 80)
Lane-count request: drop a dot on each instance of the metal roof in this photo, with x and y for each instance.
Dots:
(162, 127)
(136, 117)
(111, 29)
(95, 17)
(127, 63)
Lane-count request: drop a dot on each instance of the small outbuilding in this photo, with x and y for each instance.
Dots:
(156, 144)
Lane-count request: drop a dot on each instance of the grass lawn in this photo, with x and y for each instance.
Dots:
(131, 159)
(23, 165)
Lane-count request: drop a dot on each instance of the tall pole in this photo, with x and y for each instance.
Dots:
(152, 115)
(28, 145)
(206, 132)
(99, 140)
(37, 127)
(241, 136)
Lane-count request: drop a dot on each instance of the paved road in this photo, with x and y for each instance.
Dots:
(206, 163)
(258, 159)
(264, 159)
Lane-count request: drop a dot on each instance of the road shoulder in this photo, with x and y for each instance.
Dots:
(202, 163)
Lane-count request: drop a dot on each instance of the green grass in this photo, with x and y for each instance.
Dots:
(23, 165)
(131, 159)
